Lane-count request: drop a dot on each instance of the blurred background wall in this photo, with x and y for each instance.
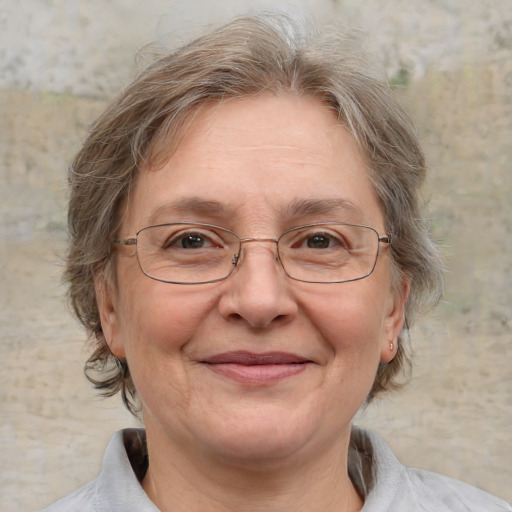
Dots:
(451, 61)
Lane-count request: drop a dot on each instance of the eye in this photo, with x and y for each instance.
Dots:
(191, 240)
(319, 241)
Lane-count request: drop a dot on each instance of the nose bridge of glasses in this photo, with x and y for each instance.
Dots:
(247, 240)
(237, 260)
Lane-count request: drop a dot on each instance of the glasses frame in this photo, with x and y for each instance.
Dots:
(237, 257)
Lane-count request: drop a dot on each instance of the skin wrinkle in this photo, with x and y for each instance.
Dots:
(146, 123)
(197, 208)
(290, 431)
(273, 487)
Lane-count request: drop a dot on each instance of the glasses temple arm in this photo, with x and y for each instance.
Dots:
(124, 241)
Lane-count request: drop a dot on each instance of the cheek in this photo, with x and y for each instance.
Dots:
(158, 325)
(350, 320)
(350, 327)
(158, 319)
(348, 317)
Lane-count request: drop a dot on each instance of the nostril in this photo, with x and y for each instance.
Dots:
(255, 321)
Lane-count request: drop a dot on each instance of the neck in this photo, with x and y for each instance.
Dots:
(182, 481)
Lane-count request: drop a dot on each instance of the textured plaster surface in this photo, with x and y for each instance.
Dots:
(61, 60)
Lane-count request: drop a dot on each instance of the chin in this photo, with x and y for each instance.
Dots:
(261, 454)
(259, 444)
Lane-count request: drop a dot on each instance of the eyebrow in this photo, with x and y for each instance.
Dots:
(297, 208)
(188, 205)
(334, 206)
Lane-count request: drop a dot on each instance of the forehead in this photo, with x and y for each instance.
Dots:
(266, 157)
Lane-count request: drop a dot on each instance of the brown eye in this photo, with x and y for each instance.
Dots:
(318, 242)
(192, 241)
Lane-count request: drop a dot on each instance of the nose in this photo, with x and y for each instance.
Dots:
(258, 291)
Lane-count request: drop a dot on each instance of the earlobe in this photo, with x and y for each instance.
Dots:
(394, 322)
(107, 306)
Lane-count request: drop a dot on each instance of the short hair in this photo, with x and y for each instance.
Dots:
(245, 57)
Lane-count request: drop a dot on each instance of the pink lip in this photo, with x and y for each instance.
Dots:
(251, 368)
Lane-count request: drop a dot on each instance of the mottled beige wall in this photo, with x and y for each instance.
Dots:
(60, 60)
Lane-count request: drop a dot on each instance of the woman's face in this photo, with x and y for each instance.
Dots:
(257, 166)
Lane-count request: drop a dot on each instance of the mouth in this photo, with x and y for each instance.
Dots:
(256, 369)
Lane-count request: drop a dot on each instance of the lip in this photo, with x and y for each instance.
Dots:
(257, 369)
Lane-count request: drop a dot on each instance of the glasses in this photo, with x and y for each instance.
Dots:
(190, 253)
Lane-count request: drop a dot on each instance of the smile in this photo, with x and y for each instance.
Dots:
(257, 369)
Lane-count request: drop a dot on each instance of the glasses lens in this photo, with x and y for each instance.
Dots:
(186, 253)
(329, 253)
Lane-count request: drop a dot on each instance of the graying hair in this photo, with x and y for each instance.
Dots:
(245, 57)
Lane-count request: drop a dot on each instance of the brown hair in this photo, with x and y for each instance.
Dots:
(245, 57)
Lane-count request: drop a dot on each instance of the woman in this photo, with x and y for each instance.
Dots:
(247, 250)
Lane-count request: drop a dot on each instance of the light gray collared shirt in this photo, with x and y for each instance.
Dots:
(385, 484)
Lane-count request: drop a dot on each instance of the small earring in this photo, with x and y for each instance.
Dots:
(391, 346)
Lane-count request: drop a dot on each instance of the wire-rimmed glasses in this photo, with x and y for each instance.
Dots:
(194, 253)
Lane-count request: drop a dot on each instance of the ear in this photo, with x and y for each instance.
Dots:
(394, 321)
(106, 299)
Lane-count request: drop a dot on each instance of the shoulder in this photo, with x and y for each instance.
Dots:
(388, 485)
(443, 493)
(117, 488)
(82, 499)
